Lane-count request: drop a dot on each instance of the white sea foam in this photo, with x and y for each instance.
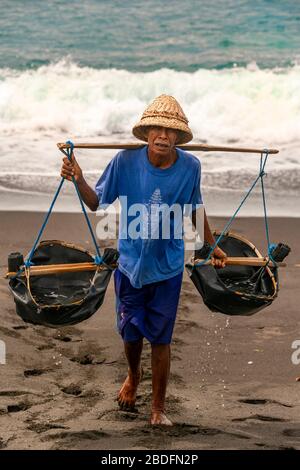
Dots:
(238, 103)
(238, 106)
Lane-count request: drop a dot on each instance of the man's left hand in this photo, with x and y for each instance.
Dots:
(218, 258)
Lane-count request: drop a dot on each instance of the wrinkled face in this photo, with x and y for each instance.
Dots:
(161, 140)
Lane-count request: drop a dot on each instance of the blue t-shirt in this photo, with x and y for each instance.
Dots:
(150, 243)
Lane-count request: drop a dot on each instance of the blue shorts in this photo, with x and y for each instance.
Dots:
(148, 312)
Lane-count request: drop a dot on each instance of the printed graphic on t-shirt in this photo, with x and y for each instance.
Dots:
(151, 220)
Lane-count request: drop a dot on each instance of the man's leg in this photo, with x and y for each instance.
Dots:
(127, 394)
(161, 355)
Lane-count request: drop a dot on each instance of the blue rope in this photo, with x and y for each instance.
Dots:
(270, 246)
(28, 262)
(98, 257)
(260, 176)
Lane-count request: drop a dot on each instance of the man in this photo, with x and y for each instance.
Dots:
(149, 275)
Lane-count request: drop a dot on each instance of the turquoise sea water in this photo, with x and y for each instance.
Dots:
(146, 36)
(85, 70)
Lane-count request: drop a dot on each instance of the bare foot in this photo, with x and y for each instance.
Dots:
(127, 394)
(159, 418)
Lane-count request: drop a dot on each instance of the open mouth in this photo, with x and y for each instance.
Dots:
(161, 145)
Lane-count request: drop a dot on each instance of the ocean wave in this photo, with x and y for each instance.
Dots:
(230, 105)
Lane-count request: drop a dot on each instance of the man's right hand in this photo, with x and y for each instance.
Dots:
(71, 168)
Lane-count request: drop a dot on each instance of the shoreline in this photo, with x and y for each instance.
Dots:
(214, 205)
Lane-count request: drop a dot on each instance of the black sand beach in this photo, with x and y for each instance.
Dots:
(233, 384)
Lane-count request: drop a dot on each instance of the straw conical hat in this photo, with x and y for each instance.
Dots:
(164, 111)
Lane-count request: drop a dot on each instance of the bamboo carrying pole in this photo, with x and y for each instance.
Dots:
(44, 270)
(244, 261)
(195, 147)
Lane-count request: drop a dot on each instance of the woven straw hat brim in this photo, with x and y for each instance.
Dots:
(140, 129)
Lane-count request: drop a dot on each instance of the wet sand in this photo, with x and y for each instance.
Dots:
(233, 384)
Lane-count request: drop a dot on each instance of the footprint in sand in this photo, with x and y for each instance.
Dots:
(291, 432)
(43, 427)
(3, 444)
(44, 347)
(9, 332)
(88, 354)
(86, 397)
(64, 338)
(124, 416)
(178, 342)
(72, 389)
(186, 324)
(177, 430)
(263, 401)
(260, 418)
(88, 359)
(91, 434)
(177, 379)
(35, 372)
(22, 406)
(15, 393)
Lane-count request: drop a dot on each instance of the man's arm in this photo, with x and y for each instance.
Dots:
(88, 195)
(219, 256)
